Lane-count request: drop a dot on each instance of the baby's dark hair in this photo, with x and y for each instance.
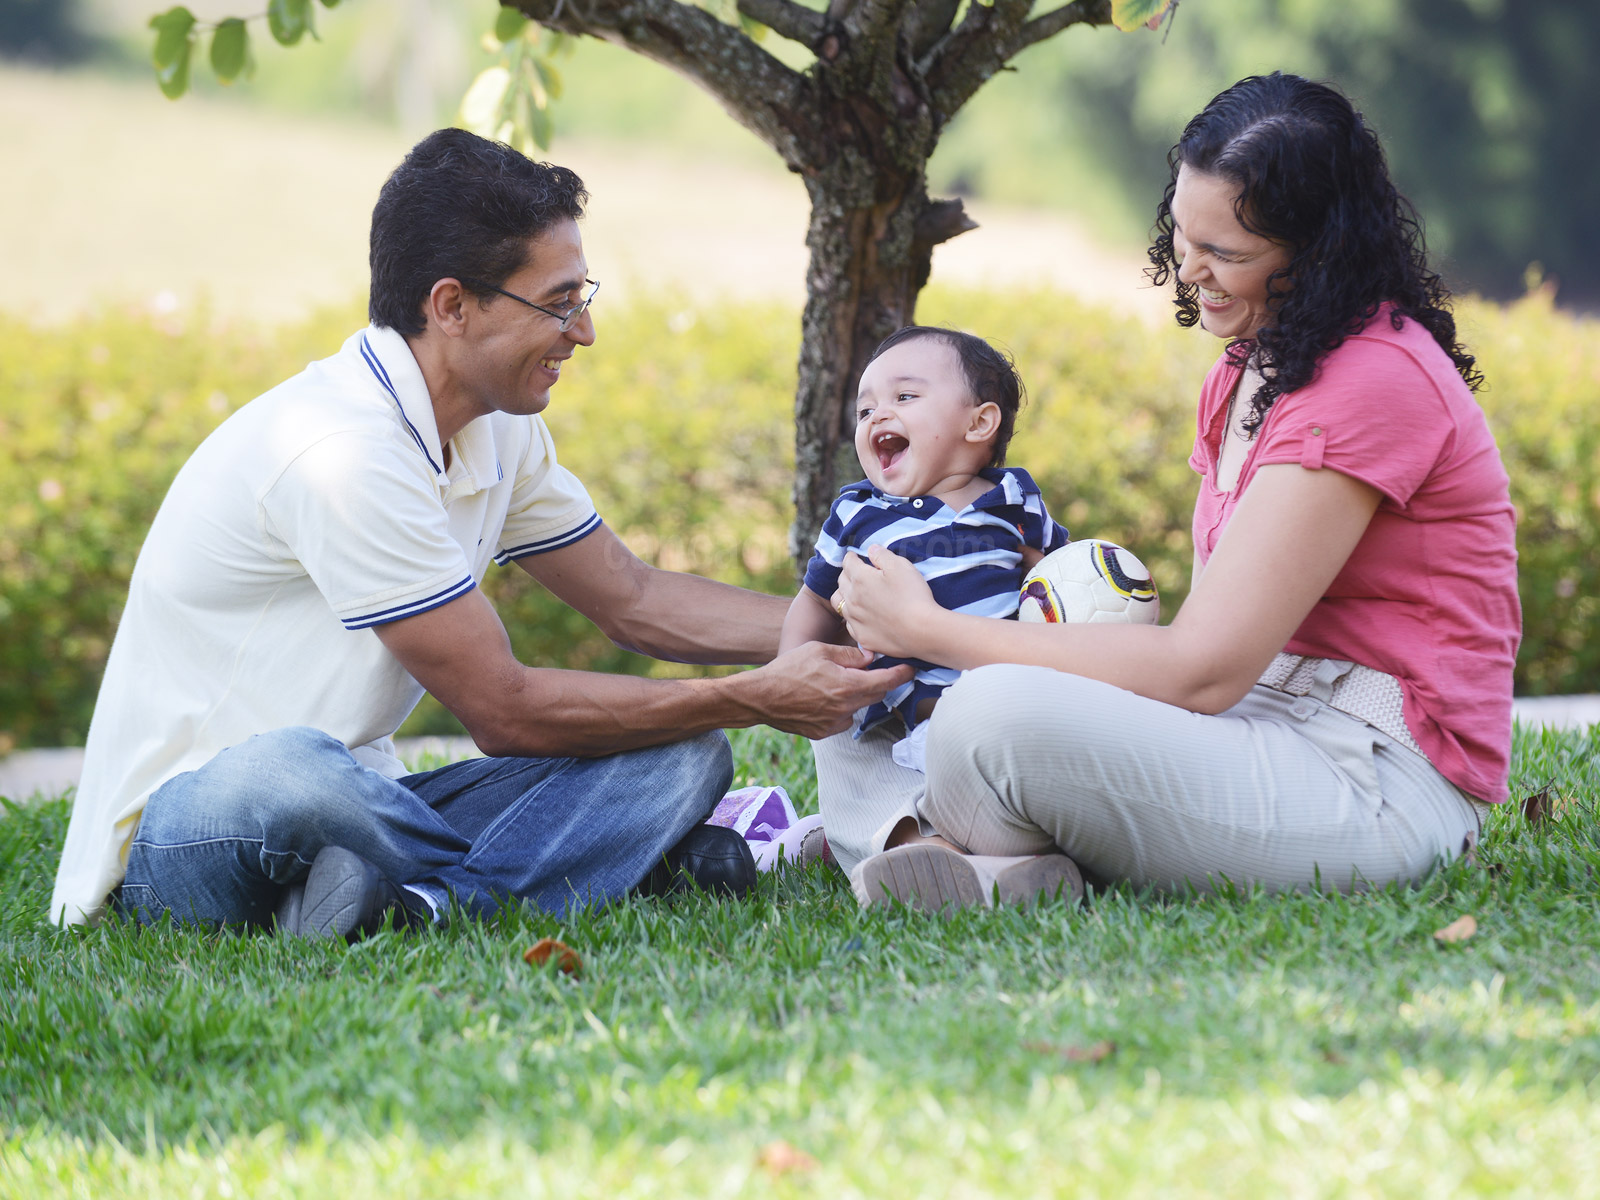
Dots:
(991, 376)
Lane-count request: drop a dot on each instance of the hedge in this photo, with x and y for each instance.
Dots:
(679, 422)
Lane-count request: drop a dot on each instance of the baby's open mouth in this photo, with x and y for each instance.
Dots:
(889, 447)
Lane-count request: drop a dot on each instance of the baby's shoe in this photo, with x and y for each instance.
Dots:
(800, 845)
(761, 815)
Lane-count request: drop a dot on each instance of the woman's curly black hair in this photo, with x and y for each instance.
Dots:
(1311, 176)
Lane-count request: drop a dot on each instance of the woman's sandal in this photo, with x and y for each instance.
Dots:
(931, 878)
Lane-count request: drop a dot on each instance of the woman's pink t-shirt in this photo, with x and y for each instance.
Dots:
(1429, 594)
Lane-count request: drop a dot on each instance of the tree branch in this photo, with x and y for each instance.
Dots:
(940, 221)
(962, 62)
(928, 22)
(988, 37)
(871, 22)
(790, 20)
(757, 90)
(1083, 12)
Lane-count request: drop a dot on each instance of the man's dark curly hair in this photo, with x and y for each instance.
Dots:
(459, 207)
(1312, 176)
(990, 376)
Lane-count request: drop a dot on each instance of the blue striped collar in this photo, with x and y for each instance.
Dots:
(1012, 485)
(394, 370)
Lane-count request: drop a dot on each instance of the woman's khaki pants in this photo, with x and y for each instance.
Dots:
(1281, 791)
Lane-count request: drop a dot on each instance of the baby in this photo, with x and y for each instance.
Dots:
(935, 413)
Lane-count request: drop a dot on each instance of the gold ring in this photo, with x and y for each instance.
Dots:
(838, 605)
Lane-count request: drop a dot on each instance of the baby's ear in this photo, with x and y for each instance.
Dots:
(984, 422)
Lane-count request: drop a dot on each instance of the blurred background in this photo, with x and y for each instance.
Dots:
(257, 194)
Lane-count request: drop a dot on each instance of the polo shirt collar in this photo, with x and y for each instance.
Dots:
(394, 371)
(475, 459)
(1012, 485)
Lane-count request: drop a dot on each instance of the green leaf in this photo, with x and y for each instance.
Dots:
(1128, 15)
(549, 77)
(540, 127)
(230, 49)
(174, 80)
(174, 44)
(531, 120)
(173, 28)
(330, 3)
(289, 20)
(509, 23)
(481, 107)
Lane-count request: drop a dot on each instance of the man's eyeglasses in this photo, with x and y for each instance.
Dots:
(568, 317)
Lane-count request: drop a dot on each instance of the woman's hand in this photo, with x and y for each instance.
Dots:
(885, 602)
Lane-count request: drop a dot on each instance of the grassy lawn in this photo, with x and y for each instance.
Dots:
(790, 1045)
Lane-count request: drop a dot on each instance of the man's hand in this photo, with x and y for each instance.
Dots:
(813, 690)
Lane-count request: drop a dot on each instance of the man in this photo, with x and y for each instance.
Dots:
(315, 566)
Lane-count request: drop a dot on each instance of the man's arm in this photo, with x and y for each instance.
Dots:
(460, 652)
(665, 614)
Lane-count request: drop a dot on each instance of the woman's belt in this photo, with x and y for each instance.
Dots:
(1362, 692)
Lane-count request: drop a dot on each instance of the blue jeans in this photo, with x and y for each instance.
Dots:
(219, 844)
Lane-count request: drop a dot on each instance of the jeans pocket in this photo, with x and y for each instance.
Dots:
(139, 901)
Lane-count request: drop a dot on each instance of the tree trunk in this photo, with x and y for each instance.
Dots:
(868, 263)
(858, 291)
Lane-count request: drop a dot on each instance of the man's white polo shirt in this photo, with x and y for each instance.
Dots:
(315, 512)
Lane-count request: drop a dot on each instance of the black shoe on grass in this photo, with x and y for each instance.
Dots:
(716, 858)
(344, 896)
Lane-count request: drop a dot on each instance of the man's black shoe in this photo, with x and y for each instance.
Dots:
(716, 858)
(343, 896)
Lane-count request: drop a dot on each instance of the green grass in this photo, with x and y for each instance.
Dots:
(1258, 1046)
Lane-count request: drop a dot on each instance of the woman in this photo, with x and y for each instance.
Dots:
(1332, 705)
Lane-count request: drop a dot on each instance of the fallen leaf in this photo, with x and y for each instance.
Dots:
(1458, 930)
(780, 1158)
(546, 948)
(1540, 806)
(1098, 1052)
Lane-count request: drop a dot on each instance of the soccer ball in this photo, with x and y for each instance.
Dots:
(1089, 581)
